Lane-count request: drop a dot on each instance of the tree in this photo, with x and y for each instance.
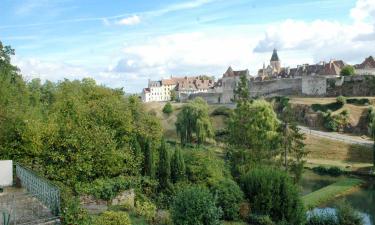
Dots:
(164, 173)
(168, 109)
(194, 119)
(229, 197)
(347, 70)
(195, 206)
(242, 91)
(149, 164)
(173, 95)
(253, 128)
(293, 147)
(178, 169)
(271, 192)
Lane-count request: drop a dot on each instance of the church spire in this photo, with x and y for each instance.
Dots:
(274, 57)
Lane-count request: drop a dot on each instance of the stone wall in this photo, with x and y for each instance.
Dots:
(358, 85)
(314, 85)
(286, 86)
(211, 98)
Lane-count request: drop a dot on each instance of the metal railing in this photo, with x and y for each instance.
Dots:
(42, 189)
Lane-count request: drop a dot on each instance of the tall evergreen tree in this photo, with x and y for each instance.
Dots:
(164, 172)
(242, 91)
(178, 166)
(149, 165)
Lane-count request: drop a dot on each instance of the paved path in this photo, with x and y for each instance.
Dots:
(338, 137)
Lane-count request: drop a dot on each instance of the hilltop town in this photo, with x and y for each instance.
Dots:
(321, 79)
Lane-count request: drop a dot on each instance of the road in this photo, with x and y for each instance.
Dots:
(338, 137)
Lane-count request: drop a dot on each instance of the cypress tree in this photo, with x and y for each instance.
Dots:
(178, 166)
(164, 172)
(149, 167)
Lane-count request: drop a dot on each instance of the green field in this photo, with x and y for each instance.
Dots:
(330, 192)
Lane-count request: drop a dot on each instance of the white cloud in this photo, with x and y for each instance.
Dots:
(363, 10)
(129, 21)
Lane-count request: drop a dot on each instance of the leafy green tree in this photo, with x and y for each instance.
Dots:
(253, 135)
(149, 164)
(164, 173)
(272, 192)
(195, 206)
(173, 95)
(347, 70)
(178, 169)
(168, 109)
(242, 91)
(194, 119)
(229, 197)
(292, 143)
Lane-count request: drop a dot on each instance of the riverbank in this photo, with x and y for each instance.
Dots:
(331, 192)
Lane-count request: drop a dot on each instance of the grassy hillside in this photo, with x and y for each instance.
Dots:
(322, 151)
(168, 121)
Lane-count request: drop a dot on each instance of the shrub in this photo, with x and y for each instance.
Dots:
(272, 192)
(222, 111)
(146, 209)
(229, 197)
(341, 100)
(336, 122)
(358, 101)
(72, 212)
(168, 109)
(346, 215)
(260, 220)
(347, 70)
(322, 218)
(333, 171)
(113, 218)
(195, 206)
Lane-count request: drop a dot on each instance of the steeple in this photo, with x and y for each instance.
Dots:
(274, 57)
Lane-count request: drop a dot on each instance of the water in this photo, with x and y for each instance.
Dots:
(362, 200)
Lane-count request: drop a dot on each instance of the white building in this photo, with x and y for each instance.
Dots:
(160, 91)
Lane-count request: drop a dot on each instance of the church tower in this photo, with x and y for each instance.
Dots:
(275, 62)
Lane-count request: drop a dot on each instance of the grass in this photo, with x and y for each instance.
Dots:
(327, 149)
(330, 192)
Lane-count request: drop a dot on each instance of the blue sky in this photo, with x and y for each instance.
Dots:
(124, 43)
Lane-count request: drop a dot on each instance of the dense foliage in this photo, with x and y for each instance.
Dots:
(113, 218)
(168, 109)
(229, 197)
(195, 206)
(336, 122)
(164, 171)
(178, 169)
(193, 119)
(347, 70)
(271, 192)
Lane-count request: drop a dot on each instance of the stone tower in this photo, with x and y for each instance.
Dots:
(275, 62)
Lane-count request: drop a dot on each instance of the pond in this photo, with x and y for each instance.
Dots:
(362, 200)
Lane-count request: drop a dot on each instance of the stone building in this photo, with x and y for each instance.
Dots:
(367, 67)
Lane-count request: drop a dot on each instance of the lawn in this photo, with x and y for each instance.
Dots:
(330, 192)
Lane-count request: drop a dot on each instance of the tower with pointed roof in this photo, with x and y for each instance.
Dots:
(275, 62)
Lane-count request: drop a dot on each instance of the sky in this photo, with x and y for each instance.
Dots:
(123, 43)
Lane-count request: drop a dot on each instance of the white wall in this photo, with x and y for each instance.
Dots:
(314, 85)
(6, 173)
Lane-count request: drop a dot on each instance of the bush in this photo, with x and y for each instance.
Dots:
(358, 101)
(260, 220)
(113, 218)
(222, 111)
(337, 122)
(347, 71)
(195, 206)
(146, 209)
(272, 192)
(333, 171)
(168, 109)
(323, 218)
(229, 197)
(341, 100)
(346, 215)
